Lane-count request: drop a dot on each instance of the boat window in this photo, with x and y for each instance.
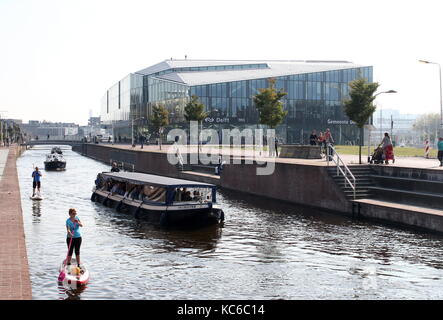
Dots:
(151, 193)
(193, 194)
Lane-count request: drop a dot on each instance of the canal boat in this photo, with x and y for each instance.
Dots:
(56, 150)
(55, 161)
(73, 275)
(162, 200)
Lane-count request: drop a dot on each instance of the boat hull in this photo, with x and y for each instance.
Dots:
(185, 214)
(55, 165)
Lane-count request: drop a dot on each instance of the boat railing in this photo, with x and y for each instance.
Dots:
(342, 168)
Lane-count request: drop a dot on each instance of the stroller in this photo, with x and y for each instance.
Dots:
(378, 156)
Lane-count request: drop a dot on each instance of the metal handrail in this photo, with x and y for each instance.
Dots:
(339, 168)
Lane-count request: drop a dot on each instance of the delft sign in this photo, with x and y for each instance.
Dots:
(347, 122)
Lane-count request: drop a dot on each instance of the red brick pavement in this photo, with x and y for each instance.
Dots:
(15, 282)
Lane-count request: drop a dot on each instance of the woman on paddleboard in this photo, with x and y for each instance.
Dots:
(74, 237)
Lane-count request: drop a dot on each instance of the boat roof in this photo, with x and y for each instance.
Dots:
(137, 178)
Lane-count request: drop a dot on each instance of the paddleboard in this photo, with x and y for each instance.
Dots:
(72, 275)
(36, 197)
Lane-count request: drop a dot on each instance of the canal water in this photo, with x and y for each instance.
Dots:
(264, 250)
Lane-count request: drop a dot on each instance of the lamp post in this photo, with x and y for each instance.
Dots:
(132, 129)
(1, 128)
(381, 119)
(441, 101)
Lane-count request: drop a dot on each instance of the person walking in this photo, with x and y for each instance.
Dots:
(427, 148)
(142, 140)
(73, 237)
(388, 149)
(329, 141)
(313, 138)
(36, 175)
(440, 151)
(276, 143)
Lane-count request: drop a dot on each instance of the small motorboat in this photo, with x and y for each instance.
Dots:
(55, 161)
(56, 150)
(72, 275)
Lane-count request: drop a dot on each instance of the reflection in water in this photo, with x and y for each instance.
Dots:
(265, 250)
(67, 292)
(36, 211)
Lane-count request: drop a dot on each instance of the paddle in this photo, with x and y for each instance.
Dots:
(62, 274)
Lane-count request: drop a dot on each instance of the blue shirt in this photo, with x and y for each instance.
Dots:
(440, 145)
(74, 229)
(36, 175)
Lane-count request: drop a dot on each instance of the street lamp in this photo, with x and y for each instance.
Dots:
(1, 128)
(132, 129)
(381, 119)
(381, 131)
(441, 103)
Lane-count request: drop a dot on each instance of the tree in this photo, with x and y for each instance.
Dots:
(427, 125)
(359, 107)
(159, 120)
(195, 111)
(269, 105)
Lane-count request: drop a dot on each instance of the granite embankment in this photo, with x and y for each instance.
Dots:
(303, 182)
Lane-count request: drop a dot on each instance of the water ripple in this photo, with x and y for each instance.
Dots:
(265, 250)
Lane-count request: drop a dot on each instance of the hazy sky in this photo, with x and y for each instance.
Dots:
(58, 57)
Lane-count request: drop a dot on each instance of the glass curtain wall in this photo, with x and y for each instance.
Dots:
(313, 101)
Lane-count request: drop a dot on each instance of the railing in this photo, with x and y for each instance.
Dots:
(330, 154)
(42, 138)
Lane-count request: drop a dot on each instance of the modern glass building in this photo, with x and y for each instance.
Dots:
(315, 91)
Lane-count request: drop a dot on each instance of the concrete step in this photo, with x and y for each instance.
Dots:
(428, 199)
(408, 184)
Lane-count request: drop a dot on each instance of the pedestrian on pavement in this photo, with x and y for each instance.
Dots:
(276, 143)
(388, 149)
(142, 140)
(427, 148)
(313, 138)
(329, 141)
(440, 151)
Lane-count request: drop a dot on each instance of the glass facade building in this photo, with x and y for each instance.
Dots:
(315, 91)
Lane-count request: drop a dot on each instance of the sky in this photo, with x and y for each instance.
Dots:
(58, 57)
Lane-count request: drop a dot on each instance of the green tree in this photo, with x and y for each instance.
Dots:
(269, 105)
(195, 111)
(159, 120)
(359, 107)
(427, 125)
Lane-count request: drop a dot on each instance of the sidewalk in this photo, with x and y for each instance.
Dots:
(15, 282)
(248, 152)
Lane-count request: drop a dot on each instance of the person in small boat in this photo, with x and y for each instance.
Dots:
(134, 193)
(73, 225)
(36, 175)
(115, 167)
(197, 196)
(118, 188)
(187, 196)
